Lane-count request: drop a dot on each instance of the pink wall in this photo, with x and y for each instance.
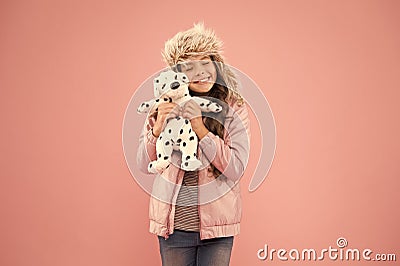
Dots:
(329, 69)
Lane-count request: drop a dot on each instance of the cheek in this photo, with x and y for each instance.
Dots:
(213, 71)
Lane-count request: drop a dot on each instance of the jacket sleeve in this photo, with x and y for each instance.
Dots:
(147, 146)
(230, 156)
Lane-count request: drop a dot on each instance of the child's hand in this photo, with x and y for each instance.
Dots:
(164, 111)
(192, 111)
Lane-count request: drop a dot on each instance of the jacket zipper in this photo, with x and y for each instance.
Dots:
(166, 236)
(168, 223)
(198, 192)
(198, 201)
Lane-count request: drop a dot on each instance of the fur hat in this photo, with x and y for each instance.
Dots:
(200, 41)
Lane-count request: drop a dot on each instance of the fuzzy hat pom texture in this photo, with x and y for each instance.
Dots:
(192, 42)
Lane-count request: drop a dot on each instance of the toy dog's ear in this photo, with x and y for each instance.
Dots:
(184, 78)
(156, 86)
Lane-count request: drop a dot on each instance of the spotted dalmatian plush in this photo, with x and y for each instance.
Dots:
(178, 134)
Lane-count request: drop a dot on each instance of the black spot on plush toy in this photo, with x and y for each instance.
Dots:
(171, 86)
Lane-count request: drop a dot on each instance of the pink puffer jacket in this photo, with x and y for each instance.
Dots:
(219, 198)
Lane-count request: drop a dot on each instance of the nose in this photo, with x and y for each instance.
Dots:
(174, 85)
(200, 73)
(199, 69)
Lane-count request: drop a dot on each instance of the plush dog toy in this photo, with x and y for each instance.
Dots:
(178, 134)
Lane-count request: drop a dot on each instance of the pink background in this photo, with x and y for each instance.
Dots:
(329, 69)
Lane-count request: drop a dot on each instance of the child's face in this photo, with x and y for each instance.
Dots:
(201, 72)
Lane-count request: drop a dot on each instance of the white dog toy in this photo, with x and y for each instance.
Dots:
(178, 134)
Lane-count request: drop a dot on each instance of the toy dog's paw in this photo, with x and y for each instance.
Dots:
(158, 166)
(211, 107)
(215, 107)
(191, 164)
(144, 108)
(152, 167)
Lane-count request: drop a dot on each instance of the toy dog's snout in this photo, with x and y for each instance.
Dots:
(174, 85)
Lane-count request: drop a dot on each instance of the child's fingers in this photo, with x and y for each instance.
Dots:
(172, 114)
(171, 111)
(191, 110)
(166, 111)
(163, 108)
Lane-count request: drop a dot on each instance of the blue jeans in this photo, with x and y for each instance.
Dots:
(184, 248)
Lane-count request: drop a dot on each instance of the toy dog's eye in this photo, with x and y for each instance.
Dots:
(176, 76)
(157, 81)
(183, 77)
(163, 86)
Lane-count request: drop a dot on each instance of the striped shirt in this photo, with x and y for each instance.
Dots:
(186, 209)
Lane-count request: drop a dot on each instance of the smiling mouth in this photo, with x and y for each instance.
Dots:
(200, 81)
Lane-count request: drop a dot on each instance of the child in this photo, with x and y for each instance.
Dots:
(196, 214)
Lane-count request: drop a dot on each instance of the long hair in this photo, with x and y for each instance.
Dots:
(215, 122)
